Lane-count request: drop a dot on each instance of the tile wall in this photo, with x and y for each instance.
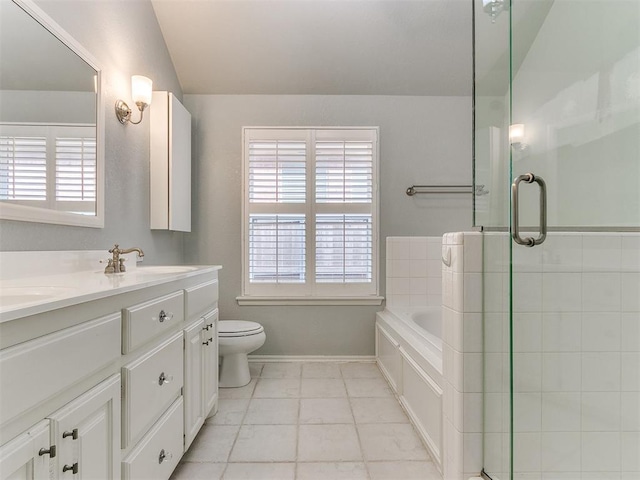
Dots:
(496, 405)
(462, 354)
(576, 357)
(414, 273)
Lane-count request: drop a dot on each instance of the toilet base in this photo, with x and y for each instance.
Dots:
(234, 370)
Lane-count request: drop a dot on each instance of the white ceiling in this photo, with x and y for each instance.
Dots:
(333, 47)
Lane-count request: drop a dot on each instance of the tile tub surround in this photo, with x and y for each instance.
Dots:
(462, 354)
(414, 273)
(459, 292)
(305, 421)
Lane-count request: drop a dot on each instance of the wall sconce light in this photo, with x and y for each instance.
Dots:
(141, 88)
(494, 8)
(516, 137)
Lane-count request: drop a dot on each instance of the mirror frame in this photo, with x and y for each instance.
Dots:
(25, 213)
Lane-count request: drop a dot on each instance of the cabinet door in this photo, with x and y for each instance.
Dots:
(193, 409)
(210, 363)
(170, 156)
(20, 458)
(87, 433)
(180, 166)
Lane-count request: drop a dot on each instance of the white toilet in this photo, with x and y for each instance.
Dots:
(236, 339)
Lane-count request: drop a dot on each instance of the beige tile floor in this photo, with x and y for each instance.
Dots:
(307, 421)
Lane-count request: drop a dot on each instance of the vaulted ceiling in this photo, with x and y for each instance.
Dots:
(333, 47)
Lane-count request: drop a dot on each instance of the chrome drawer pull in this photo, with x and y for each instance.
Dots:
(164, 456)
(164, 379)
(51, 451)
(73, 434)
(162, 316)
(71, 468)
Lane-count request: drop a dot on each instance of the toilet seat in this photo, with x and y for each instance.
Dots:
(238, 328)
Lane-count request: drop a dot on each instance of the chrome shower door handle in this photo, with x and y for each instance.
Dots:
(515, 211)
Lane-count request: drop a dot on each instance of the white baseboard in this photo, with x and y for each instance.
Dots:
(311, 358)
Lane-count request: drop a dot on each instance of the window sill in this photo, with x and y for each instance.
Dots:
(367, 300)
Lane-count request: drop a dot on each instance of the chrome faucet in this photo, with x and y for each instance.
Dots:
(116, 264)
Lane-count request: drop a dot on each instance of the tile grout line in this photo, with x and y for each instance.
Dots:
(295, 459)
(235, 441)
(355, 426)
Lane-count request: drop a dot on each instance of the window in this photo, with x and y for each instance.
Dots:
(310, 224)
(49, 166)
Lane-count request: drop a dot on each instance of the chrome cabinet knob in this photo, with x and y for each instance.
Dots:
(162, 316)
(164, 456)
(164, 379)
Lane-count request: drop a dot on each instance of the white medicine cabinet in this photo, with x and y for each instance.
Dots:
(170, 156)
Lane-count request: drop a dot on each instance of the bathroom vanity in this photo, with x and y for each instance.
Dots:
(106, 376)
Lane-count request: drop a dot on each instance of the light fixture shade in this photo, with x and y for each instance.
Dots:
(141, 88)
(516, 133)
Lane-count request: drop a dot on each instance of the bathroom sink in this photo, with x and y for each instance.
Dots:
(165, 269)
(29, 294)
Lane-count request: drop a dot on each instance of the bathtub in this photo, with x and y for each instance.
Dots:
(425, 322)
(409, 354)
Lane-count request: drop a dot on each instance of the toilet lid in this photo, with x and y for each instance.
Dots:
(238, 328)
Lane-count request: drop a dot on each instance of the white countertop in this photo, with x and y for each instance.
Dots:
(30, 295)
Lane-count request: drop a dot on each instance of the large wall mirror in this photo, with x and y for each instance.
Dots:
(51, 122)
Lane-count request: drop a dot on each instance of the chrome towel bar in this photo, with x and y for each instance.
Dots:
(419, 189)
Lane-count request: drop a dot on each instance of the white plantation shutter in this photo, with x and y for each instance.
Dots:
(310, 212)
(23, 168)
(75, 169)
(344, 172)
(52, 166)
(277, 171)
(277, 248)
(344, 248)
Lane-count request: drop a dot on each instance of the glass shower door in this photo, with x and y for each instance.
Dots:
(574, 313)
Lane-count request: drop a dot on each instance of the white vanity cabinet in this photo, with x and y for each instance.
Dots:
(27, 457)
(210, 363)
(158, 453)
(201, 373)
(34, 371)
(193, 384)
(100, 389)
(87, 434)
(201, 357)
(38, 369)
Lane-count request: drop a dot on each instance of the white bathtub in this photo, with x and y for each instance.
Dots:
(426, 322)
(409, 354)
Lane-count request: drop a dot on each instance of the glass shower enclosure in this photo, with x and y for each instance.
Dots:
(557, 147)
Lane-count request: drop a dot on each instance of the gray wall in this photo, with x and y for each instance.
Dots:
(422, 140)
(125, 38)
(31, 106)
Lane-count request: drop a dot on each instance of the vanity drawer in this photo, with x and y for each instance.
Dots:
(146, 461)
(36, 370)
(201, 298)
(147, 320)
(151, 383)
